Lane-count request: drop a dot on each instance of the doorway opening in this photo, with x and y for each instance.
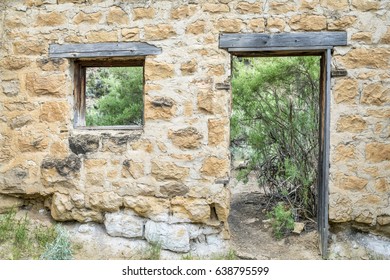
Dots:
(276, 130)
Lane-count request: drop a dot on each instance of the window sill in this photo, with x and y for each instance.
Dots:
(117, 127)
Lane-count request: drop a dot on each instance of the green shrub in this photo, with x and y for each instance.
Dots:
(282, 220)
(60, 248)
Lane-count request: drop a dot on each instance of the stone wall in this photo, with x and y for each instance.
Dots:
(165, 182)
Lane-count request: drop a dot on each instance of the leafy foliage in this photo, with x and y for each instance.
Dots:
(60, 248)
(282, 220)
(114, 96)
(274, 125)
(20, 239)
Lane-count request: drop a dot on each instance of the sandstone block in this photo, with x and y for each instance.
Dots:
(386, 37)
(335, 4)
(308, 22)
(158, 70)
(229, 25)
(342, 23)
(189, 67)
(8, 203)
(346, 91)
(130, 34)
(46, 84)
(351, 123)
(156, 209)
(78, 199)
(143, 13)
(174, 237)
(385, 113)
(248, 8)
(159, 108)
(13, 181)
(190, 209)
(216, 167)
(159, 32)
(37, 3)
(281, 7)
(196, 28)
(365, 217)
(365, 37)
(32, 140)
(30, 47)
(142, 145)
(366, 5)
(216, 70)
(87, 18)
(124, 224)
(55, 112)
(257, 25)
(86, 215)
(52, 64)
(102, 36)
(82, 144)
(309, 4)
(14, 62)
(50, 19)
(115, 144)
(383, 220)
(132, 168)
(366, 58)
(186, 138)
(375, 94)
(382, 185)
(344, 153)
(168, 171)
(183, 12)
(71, 1)
(206, 102)
(173, 189)
(117, 16)
(97, 164)
(377, 152)
(65, 167)
(20, 121)
(106, 201)
(216, 131)
(351, 183)
(276, 23)
(61, 207)
(216, 8)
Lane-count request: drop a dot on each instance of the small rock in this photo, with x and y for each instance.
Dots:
(85, 228)
(250, 221)
(298, 227)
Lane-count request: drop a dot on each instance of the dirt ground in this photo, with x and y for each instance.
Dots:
(252, 233)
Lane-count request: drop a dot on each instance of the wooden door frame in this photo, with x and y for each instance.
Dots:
(300, 44)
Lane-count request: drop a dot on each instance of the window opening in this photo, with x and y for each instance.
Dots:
(109, 94)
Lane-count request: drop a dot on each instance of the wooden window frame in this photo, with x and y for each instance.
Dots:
(80, 67)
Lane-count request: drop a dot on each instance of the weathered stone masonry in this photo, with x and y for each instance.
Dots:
(165, 182)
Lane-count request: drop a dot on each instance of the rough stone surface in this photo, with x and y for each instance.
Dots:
(346, 91)
(124, 223)
(186, 138)
(213, 166)
(168, 171)
(171, 237)
(8, 203)
(82, 144)
(353, 183)
(352, 123)
(375, 94)
(377, 152)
